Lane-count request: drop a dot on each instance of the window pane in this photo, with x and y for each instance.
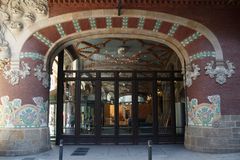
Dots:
(87, 108)
(69, 108)
(125, 108)
(145, 118)
(108, 115)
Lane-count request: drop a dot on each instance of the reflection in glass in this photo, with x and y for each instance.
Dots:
(125, 108)
(87, 108)
(145, 116)
(164, 106)
(108, 116)
(69, 108)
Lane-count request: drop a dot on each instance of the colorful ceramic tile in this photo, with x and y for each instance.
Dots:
(43, 39)
(109, 22)
(203, 54)
(34, 56)
(125, 22)
(204, 114)
(157, 25)
(76, 25)
(191, 38)
(141, 22)
(60, 30)
(92, 21)
(173, 29)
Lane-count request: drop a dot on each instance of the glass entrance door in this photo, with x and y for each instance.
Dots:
(115, 109)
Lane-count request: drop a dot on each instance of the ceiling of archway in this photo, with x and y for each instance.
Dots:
(122, 53)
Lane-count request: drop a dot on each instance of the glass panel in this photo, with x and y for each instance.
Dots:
(70, 74)
(108, 116)
(164, 107)
(180, 107)
(88, 75)
(107, 74)
(69, 108)
(145, 118)
(144, 74)
(125, 108)
(87, 108)
(52, 119)
(125, 74)
(163, 75)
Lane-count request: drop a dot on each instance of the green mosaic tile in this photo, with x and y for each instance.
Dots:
(43, 39)
(109, 22)
(93, 24)
(125, 22)
(141, 22)
(191, 38)
(34, 56)
(60, 30)
(157, 25)
(202, 55)
(173, 29)
(76, 25)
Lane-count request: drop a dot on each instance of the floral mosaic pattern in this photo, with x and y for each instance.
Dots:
(204, 114)
(15, 115)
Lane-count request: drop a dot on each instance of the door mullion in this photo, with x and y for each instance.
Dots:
(116, 107)
(60, 93)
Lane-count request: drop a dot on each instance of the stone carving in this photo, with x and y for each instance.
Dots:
(220, 72)
(14, 75)
(17, 14)
(191, 74)
(41, 75)
(14, 115)
(204, 114)
(4, 46)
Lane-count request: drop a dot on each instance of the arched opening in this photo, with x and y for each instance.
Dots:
(116, 90)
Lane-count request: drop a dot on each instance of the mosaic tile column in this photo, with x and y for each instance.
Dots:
(24, 107)
(208, 129)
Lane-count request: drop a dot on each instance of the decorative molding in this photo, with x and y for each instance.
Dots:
(3, 63)
(109, 22)
(14, 75)
(202, 55)
(17, 14)
(220, 72)
(76, 25)
(34, 56)
(157, 25)
(173, 29)
(204, 114)
(4, 45)
(43, 39)
(41, 75)
(93, 24)
(15, 115)
(191, 38)
(125, 22)
(60, 30)
(141, 22)
(192, 72)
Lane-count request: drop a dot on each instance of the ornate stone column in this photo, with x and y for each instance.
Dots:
(23, 84)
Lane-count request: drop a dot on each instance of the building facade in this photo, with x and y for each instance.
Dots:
(203, 34)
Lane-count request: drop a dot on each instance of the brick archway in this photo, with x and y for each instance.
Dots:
(191, 39)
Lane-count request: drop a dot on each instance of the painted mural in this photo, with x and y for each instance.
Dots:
(204, 114)
(15, 115)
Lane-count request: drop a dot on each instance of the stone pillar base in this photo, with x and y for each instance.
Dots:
(222, 138)
(24, 141)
